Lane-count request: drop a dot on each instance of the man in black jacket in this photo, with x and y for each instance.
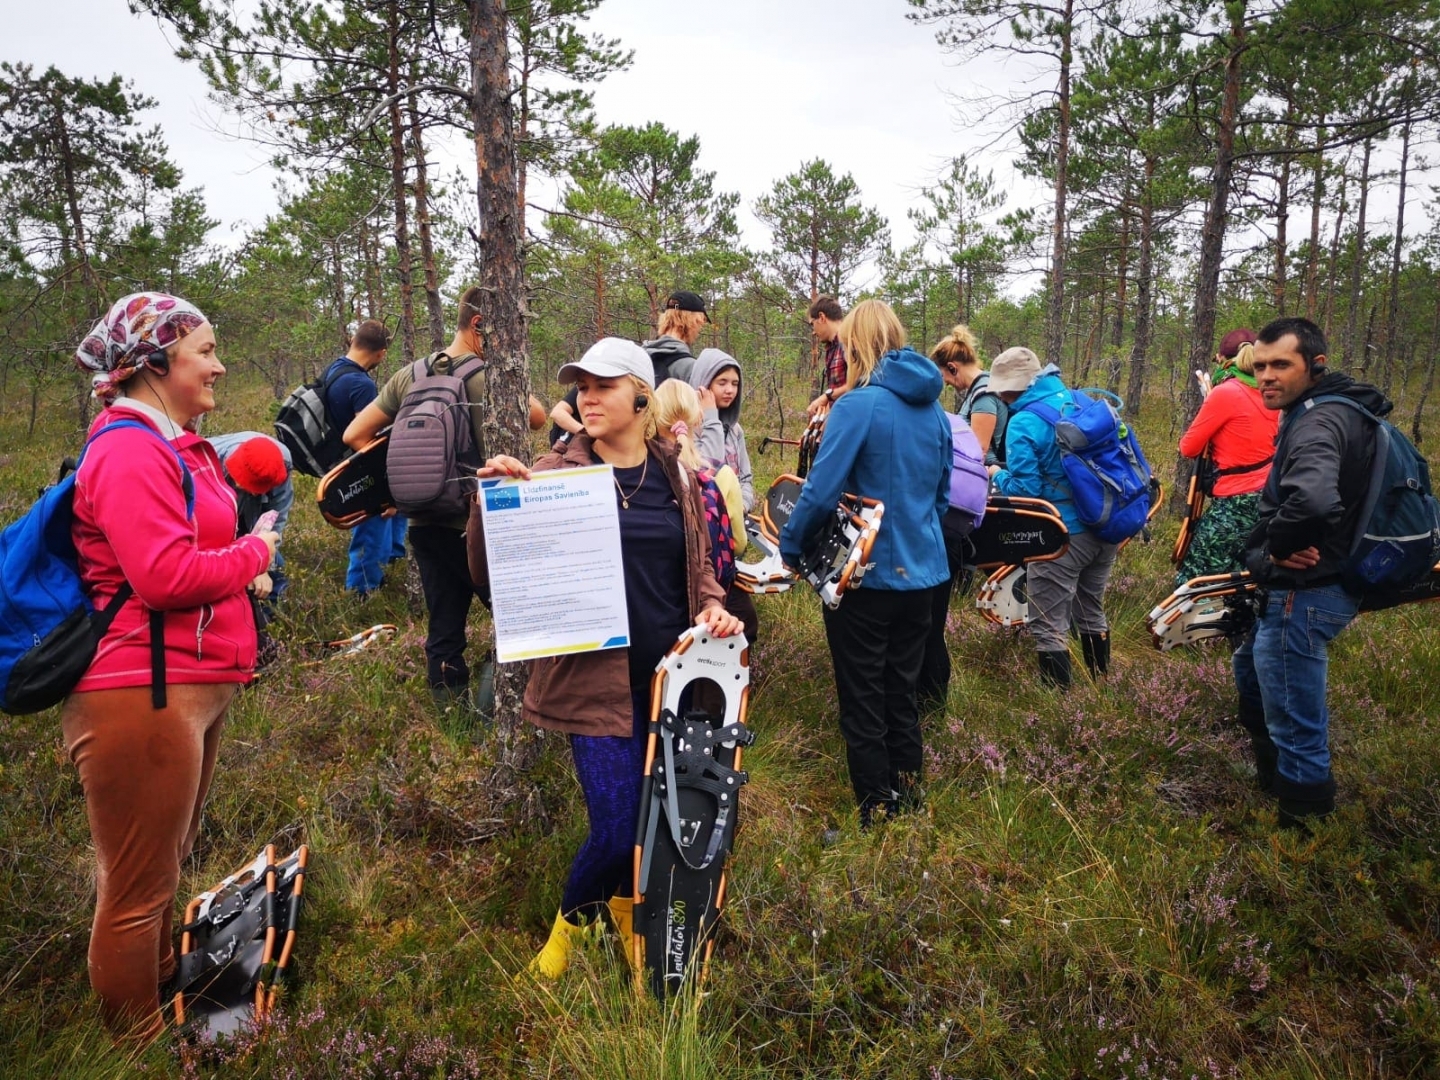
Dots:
(1309, 511)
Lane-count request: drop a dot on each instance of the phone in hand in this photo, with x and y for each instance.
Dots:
(265, 522)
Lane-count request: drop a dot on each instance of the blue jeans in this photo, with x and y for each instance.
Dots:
(373, 543)
(1282, 668)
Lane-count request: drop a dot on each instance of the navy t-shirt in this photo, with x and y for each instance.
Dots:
(652, 549)
(350, 389)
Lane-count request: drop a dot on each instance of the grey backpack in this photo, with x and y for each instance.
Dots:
(432, 457)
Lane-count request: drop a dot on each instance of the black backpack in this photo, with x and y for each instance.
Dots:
(432, 456)
(303, 425)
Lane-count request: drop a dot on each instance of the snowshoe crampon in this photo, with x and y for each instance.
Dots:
(357, 488)
(238, 944)
(688, 807)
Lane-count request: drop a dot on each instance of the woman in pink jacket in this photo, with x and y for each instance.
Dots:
(142, 726)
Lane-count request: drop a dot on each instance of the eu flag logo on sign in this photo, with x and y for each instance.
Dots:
(502, 498)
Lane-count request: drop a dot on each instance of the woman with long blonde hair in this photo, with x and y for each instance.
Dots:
(886, 438)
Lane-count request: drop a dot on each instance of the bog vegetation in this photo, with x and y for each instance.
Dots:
(1096, 890)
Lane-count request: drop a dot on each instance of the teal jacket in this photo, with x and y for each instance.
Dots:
(888, 440)
(1032, 460)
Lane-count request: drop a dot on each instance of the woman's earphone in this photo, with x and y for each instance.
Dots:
(641, 402)
(158, 361)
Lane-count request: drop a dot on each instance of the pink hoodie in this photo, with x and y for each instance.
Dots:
(130, 524)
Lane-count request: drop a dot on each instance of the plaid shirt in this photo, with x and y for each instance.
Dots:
(834, 365)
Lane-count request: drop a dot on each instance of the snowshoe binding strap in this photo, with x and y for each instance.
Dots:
(810, 443)
(766, 576)
(840, 557)
(694, 765)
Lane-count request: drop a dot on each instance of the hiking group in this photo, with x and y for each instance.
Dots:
(163, 520)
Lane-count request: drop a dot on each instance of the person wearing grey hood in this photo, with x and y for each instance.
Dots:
(717, 380)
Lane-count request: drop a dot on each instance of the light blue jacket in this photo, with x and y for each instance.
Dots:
(890, 441)
(1032, 460)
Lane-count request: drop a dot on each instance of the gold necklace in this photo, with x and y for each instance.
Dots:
(625, 499)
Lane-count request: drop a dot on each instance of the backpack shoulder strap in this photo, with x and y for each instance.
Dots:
(1325, 399)
(187, 482)
(463, 367)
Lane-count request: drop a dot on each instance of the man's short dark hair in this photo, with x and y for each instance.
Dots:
(827, 306)
(1311, 338)
(470, 306)
(371, 336)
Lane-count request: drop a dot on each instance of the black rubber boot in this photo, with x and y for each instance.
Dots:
(1300, 804)
(1096, 650)
(1261, 745)
(1055, 669)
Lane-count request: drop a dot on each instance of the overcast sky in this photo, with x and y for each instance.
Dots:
(766, 84)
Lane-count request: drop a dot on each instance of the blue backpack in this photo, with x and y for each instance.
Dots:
(49, 630)
(1397, 535)
(1108, 474)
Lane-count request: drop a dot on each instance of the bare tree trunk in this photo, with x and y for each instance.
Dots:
(1333, 261)
(1055, 320)
(337, 287)
(1317, 192)
(1282, 219)
(397, 182)
(1122, 281)
(1212, 244)
(1139, 352)
(1392, 316)
(1415, 435)
(504, 333)
(1352, 317)
(433, 307)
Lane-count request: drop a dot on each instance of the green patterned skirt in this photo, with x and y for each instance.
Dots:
(1219, 543)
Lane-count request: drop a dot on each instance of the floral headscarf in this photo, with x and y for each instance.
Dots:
(134, 327)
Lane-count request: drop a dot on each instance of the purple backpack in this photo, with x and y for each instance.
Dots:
(969, 480)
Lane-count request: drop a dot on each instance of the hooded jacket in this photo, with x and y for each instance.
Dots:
(722, 439)
(130, 524)
(672, 358)
(1032, 459)
(1317, 484)
(887, 440)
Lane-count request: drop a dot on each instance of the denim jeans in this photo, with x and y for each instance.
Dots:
(373, 543)
(1282, 667)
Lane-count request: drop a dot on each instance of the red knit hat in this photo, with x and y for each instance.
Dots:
(256, 465)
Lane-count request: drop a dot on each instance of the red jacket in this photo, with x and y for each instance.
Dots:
(130, 524)
(1234, 423)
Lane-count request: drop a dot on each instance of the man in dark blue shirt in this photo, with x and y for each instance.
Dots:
(349, 388)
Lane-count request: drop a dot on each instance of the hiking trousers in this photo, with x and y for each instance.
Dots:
(445, 577)
(877, 644)
(1071, 587)
(145, 773)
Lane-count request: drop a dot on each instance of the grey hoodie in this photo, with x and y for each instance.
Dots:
(722, 440)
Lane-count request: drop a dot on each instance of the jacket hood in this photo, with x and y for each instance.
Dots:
(1336, 382)
(709, 364)
(1048, 382)
(909, 376)
(666, 348)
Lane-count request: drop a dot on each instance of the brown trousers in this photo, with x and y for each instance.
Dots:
(145, 774)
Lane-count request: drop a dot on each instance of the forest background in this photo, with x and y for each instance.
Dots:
(1190, 166)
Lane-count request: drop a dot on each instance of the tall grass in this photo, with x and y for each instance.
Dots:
(1095, 890)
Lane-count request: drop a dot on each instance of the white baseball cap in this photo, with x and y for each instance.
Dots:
(610, 358)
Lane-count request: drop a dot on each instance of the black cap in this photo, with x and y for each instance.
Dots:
(686, 301)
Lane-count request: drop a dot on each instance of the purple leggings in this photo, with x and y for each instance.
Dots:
(609, 769)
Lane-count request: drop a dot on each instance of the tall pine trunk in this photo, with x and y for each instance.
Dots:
(1212, 244)
(1392, 316)
(397, 182)
(433, 307)
(504, 334)
(1317, 194)
(1055, 318)
(1140, 350)
(1352, 316)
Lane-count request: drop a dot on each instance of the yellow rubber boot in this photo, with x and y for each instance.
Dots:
(554, 958)
(622, 916)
